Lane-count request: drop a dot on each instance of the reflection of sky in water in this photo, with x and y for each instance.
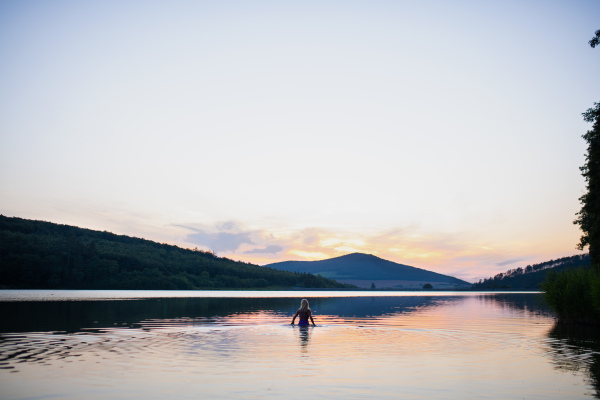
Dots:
(433, 347)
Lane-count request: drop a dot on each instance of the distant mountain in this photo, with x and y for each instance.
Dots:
(532, 276)
(364, 270)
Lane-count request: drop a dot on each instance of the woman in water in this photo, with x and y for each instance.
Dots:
(304, 313)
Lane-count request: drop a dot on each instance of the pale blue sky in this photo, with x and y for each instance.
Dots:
(444, 135)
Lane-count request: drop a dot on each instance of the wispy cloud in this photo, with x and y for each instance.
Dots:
(225, 237)
(459, 254)
(511, 261)
(272, 249)
(220, 241)
(232, 238)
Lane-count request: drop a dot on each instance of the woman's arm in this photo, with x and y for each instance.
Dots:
(293, 319)
(310, 316)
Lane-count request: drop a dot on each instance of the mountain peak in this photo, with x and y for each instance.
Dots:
(363, 270)
(358, 256)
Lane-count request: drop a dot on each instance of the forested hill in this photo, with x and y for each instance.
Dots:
(363, 270)
(532, 276)
(44, 255)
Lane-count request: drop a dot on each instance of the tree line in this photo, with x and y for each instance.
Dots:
(532, 276)
(44, 255)
(574, 295)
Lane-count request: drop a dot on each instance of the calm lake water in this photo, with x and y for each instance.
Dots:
(224, 345)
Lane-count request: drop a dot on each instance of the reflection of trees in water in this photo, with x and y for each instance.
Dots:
(73, 316)
(573, 348)
(577, 348)
(364, 307)
(519, 302)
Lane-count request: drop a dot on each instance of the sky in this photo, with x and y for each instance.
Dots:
(442, 135)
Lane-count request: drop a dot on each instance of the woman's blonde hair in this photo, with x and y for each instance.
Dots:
(304, 305)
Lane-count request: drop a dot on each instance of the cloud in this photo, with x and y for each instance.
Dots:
(508, 262)
(220, 241)
(456, 253)
(230, 237)
(311, 236)
(227, 237)
(272, 249)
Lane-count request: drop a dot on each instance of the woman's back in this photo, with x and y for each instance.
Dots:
(304, 313)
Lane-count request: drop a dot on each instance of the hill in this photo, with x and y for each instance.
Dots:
(44, 255)
(363, 270)
(532, 276)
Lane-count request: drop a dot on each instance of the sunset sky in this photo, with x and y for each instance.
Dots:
(445, 135)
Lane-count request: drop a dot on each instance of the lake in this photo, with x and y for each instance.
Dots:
(240, 344)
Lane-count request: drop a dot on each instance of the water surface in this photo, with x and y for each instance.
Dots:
(128, 344)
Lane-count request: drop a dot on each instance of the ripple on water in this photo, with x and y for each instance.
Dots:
(258, 354)
(220, 336)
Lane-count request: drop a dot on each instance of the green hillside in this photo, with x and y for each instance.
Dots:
(44, 255)
(532, 276)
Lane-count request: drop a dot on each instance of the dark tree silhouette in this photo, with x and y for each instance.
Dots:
(596, 39)
(589, 215)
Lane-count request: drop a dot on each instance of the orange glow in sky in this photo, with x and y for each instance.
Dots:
(442, 135)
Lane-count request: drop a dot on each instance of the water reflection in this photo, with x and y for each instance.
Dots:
(472, 346)
(304, 336)
(575, 349)
(571, 348)
(528, 303)
(74, 316)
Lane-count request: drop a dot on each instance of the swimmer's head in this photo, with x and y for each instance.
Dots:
(304, 304)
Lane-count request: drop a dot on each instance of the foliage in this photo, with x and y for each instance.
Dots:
(595, 40)
(427, 286)
(589, 215)
(43, 255)
(532, 276)
(574, 295)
